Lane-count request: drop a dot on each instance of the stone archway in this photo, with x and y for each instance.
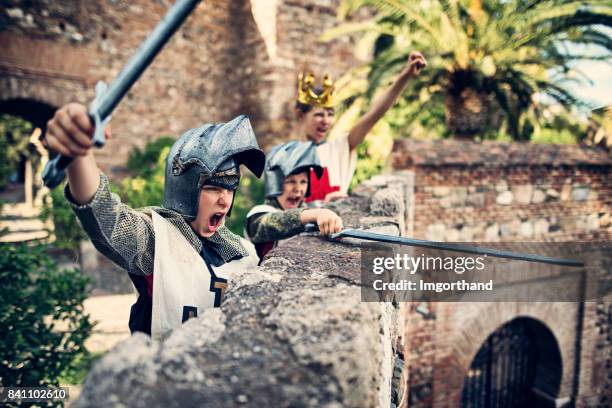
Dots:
(518, 365)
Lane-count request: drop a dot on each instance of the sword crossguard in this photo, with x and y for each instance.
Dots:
(94, 113)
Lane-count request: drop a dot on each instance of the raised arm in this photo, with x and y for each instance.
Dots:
(69, 132)
(122, 234)
(416, 62)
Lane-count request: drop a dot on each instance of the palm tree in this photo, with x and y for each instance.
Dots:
(491, 62)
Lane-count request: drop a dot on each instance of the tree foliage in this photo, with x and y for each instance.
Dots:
(14, 138)
(66, 227)
(492, 64)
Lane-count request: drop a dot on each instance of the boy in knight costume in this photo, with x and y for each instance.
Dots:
(179, 256)
(289, 171)
(315, 116)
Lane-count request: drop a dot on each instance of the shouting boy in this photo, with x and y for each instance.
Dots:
(180, 255)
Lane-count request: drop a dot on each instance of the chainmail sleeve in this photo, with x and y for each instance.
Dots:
(120, 233)
(275, 225)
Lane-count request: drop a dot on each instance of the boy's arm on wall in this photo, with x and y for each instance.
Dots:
(275, 225)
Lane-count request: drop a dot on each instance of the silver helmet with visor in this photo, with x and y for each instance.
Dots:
(209, 155)
(287, 159)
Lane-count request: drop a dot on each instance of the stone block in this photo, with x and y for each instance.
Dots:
(475, 200)
(527, 229)
(452, 235)
(436, 232)
(441, 191)
(501, 186)
(538, 196)
(540, 226)
(387, 202)
(592, 222)
(604, 220)
(580, 193)
(511, 228)
(552, 194)
(466, 234)
(522, 193)
(566, 192)
(505, 198)
(492, 232)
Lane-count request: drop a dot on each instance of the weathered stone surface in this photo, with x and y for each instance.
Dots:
(538, 196)
(511, 228)
(540, 226)
(527, 229)
(552, 194)
(435, 232)
(387, 202)
(522, 194)
(580, 193)
(475, 200)
(492, 232)
(604, 219)
(441, 191)
(505, 198)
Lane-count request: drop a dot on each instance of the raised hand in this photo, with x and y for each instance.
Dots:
(70, 130)
(416, 63)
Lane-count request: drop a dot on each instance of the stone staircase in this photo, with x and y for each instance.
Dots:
(22, 223)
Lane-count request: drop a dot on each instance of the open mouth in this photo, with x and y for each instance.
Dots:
(293, 202)
(215, 221)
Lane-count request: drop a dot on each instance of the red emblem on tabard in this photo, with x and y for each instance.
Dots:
(321, 187)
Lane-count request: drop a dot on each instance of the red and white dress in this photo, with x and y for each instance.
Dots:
(338, 163)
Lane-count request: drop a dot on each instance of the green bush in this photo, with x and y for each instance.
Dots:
(68, 230)
(147, 186)
(14, 138)
(42, 321)
(143, 163)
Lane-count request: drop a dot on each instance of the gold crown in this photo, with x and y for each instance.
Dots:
(308, 96)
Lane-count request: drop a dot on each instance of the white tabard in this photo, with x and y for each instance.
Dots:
(183, 285)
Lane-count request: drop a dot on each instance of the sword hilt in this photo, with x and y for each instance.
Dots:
(55, 170)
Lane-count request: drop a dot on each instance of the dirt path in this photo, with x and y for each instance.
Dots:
(112, 314)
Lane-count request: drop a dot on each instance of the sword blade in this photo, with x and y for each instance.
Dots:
(145, 54)
(372, 236)
(102, 107)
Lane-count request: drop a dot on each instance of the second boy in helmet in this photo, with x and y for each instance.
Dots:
(288, 173)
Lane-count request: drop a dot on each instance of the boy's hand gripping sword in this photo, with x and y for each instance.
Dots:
(391, 239)
(108, 98)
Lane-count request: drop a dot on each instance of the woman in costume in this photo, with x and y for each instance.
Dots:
(315, 117)
(180, 255)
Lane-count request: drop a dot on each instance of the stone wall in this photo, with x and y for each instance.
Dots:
(466, 191)
(230, 57)
(291, 333)
(496, 192)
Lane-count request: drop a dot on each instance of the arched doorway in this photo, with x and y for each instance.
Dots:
(518, 365)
